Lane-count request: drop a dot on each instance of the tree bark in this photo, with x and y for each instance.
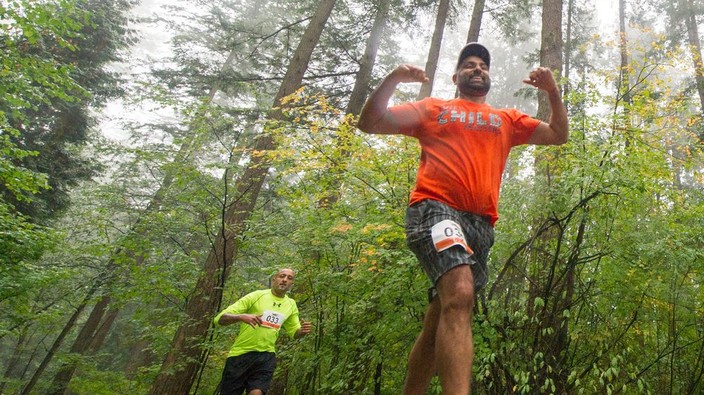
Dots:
(366, 63)
(475, 23)
(80, 346)
(431, 64)
(551, 281)
(695, 47)
(550, 48)
(568, 46)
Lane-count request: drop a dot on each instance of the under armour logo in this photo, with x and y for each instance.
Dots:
(277, 304)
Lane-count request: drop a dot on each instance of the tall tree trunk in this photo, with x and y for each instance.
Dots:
(624, 81)
(181, 364)
(549, 283)
(690, 21)
(366, 63)
(475, 24)
(550, 48)
(568, 46)
(696, 48)
(431, 64)
(80, 346)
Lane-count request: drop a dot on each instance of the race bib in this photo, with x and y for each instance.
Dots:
(447, 234)
(272, 319)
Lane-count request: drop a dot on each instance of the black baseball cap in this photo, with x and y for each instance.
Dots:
(474, 49)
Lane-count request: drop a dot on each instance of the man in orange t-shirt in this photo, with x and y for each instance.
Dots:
(453, 207)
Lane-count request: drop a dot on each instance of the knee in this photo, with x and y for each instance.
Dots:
(459, 303)
(458, 298)
(456, 290)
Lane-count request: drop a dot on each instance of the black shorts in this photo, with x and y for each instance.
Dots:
(476, 230)
(250, 371)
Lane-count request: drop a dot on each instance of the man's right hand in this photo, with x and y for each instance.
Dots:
(408, 73)
(375, 117)
(251, 319)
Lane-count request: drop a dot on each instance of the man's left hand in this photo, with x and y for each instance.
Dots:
(306, 328)
(542, 79)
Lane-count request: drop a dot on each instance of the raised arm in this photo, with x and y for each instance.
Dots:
(375, 116)
(557, 130)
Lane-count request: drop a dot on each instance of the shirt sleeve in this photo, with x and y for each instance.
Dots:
(241, 306)
(523, 126)
(415, 110)
(293, 322)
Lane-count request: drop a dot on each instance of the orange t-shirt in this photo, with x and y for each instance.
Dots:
(464, 147)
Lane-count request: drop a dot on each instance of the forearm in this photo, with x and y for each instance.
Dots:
(229, 319)
(558, 116)
(375, 109)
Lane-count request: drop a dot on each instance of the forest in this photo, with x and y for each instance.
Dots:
(161, 159)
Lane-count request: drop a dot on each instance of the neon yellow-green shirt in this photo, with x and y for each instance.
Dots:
(276, 313)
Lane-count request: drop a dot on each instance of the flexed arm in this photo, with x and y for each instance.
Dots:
(557, 130)
(375, 116)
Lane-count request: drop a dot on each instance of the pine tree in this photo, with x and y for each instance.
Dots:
(57, 126)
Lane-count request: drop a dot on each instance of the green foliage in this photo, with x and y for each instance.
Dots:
(94, 381)
(616, 260)
(356, 280)
(21, 244)
(26, 79)
(52, 71)
(595, 271)
(43, 122)
(20, 182)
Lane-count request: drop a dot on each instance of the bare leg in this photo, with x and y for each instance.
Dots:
(255, 392)
(454, 348)
(421, 361)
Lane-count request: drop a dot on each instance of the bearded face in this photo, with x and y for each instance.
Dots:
(473, 82)
(472, 77)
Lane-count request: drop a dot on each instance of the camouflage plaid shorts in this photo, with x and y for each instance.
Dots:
(476, 230)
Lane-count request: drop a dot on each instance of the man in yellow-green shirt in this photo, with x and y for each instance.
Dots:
(261, 314)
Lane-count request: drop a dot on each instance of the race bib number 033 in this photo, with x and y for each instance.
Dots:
(272, 319)
(447, 234)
